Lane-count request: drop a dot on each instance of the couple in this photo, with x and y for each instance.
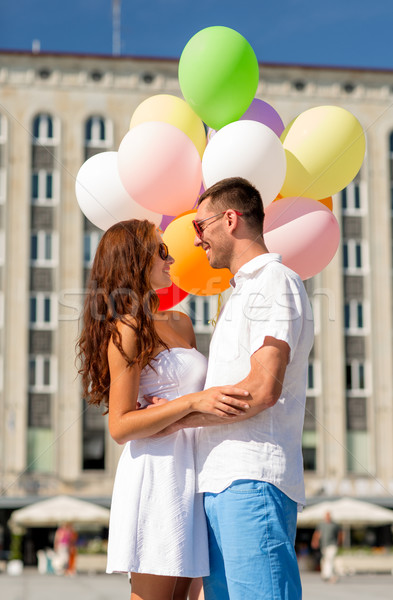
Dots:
(238, 441)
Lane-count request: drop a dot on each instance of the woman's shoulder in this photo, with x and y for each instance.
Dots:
(126, 327)
(182, 324)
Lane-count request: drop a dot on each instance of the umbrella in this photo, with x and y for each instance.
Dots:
(52, 512)
(346, 511)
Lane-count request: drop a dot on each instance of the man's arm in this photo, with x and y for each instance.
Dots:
(264, 384)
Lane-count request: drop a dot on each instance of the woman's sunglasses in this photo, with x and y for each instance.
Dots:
(163, 251)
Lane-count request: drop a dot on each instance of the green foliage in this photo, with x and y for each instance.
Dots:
(16, 546)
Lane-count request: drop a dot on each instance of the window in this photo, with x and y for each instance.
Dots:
(353, 198)
(310, 435)
(95, 129)
(90, 242)
(355, 376)
(93, 448)
(201, 311)
(358, 446)
(309, 450)
(313, 378)
(44, 187)
(354, 256)
(43, 129)
(192, 310)
(43, 310)
(42, 373)
(43, 248)
(354, 316)
(98, 132)
(310, 377)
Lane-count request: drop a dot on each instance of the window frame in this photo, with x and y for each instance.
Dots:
(42, 236)
(41, 299)
(40, 362)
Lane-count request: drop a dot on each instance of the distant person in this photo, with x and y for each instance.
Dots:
(327, 537)
(65, 539)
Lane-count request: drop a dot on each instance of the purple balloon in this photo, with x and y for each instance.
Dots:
(264, 113)
(166, 219)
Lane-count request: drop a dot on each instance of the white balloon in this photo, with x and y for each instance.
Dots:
(102, 197)
(247, 149)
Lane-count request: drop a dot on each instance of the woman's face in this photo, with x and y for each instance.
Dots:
(159, 277)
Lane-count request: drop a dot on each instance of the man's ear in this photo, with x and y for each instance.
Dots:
(232, 218)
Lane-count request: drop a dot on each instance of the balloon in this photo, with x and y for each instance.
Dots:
(218, 75)
(191, 270)
(246, 149)
(101, 195)
(166, 219)
(171, 296)
(325, 148)
(210, 134)
(304, 232)
(327, 202)
(173, 110)
(264, 113)
(160, 167)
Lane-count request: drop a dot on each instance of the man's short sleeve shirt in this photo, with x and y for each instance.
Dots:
(268, 299)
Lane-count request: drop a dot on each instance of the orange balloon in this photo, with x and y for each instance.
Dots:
(191, 270)
(327, 202)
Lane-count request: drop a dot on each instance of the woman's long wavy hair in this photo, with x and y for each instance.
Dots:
(118, 288)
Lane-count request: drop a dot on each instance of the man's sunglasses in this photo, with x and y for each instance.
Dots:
(197, 224)
(163, 251)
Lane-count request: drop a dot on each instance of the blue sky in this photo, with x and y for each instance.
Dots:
(356, 33)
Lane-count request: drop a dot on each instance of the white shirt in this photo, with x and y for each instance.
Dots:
(268, 300)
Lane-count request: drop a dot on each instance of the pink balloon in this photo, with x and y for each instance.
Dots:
(304, 232)
(160, 167)
(264, 113)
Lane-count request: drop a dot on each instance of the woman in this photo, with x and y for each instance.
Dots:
(129, 350)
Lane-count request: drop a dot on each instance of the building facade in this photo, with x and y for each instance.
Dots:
(58, 110)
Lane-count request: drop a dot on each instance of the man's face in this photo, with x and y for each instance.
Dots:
(212, 238)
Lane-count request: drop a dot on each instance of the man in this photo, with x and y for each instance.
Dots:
(327, 537)
(251, 471)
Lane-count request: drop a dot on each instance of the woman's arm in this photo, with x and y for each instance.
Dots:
(127, 423)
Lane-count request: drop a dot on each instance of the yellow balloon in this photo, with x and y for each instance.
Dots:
(175, 111)
(324, 147)
(191, 270)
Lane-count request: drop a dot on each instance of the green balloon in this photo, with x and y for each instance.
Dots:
(218, 75)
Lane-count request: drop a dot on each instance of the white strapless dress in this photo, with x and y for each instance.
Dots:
(157, 522)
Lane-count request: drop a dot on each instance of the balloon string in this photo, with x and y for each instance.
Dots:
(214, 320)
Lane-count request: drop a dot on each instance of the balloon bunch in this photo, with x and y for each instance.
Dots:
(167, 159)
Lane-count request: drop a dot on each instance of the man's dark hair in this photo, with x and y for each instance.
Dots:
(239, 194)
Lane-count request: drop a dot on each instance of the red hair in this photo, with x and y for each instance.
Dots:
(118, 289)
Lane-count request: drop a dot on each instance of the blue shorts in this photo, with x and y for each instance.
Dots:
(252, 529)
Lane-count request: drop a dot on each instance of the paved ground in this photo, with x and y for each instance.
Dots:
(32, 586)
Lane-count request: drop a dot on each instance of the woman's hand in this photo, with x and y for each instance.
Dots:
(223, 401)
(154, 401)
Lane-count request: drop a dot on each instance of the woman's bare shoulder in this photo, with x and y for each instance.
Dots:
(182, 324)
(127, 330)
